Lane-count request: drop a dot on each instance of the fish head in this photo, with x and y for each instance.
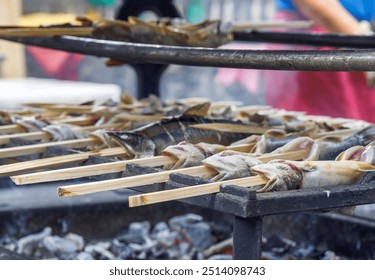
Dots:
(282, 175)
(369, 154)
(354, 153)
(134, 143)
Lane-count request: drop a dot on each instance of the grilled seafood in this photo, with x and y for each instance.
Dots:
(275, 138)
(232, 165)
(288, 175)
(31, 124)
(61, 132)
(189, 154)
(328, 148)
(151, 139)
(164, 31)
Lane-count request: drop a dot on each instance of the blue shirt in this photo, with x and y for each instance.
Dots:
(360, 9)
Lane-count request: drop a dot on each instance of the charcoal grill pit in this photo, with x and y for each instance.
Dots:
(253, 215)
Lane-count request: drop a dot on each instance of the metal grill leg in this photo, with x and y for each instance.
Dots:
(247, 238)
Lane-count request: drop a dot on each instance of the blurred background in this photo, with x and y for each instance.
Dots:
(176, 82)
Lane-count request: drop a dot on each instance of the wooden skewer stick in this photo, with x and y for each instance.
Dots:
(140, 180)
(11, 128)
(16, 128)
(242, 26)
(76, 109)
(18, 167)
(42, 147)
(139, 118)
(230, 127)
(82, 120)
(132, 181)
(43, 135)
(102, 168)
(37, 32)
(89, 170)
(186, 192)
(243, 128)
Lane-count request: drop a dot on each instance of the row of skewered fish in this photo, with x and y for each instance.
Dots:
(330, 151)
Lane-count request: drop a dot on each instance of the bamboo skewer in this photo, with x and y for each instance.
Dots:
(18, 167)
(132, 181)
(41, 32)
(76, 109)
(187, 192)
(43, 135)
(102, 168)
(243, 26)
(139, 118)
(229, 127)
(243, 128)
(11, 128)
(16, 128)
(42, 147)
(160, 177)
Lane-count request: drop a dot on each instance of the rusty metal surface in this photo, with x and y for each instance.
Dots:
(327, 60)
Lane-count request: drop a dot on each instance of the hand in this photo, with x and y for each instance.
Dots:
(364, 28)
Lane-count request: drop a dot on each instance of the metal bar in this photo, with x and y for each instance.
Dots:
(272, 203)
(310, 199)
(310, 39)
(333, 60)
(247, 238)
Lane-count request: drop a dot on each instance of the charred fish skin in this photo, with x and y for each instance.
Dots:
(331, 149)
(151, 139)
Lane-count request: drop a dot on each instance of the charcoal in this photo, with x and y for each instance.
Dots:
(185, 237)
(100, 251)
(278, 244)
(136, 233)
(28, 244)
(200, 235)
(125, 253)
(330, 255)
(77, 239)
(221, 257)
(183, 221)
(163, 235)
(60, 247)
(84, 256)
(147, 245)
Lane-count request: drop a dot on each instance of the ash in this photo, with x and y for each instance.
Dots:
(186, 237)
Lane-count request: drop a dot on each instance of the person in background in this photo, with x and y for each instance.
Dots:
(335, 94)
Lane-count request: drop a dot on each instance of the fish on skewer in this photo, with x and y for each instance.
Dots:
(289, 175)
(283, 174)
(330, 147)
(364, 154)
(151, 139)
(134, 181)
(232, 164)
(276, 138)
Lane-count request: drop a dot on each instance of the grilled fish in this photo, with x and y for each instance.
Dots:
(61, 132)
(288, 175)
(231, 164)
(328, 148)
(276, 138)
(151, 139)
(188, 154)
